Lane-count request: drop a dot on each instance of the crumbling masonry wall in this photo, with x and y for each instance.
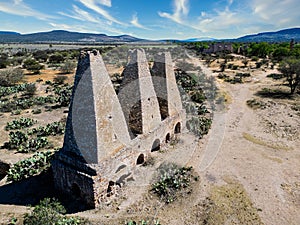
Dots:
(100, 146)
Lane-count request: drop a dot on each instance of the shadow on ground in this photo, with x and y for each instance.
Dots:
(274, 93)
(30, 191)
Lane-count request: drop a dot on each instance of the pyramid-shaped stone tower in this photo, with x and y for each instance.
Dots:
(108, 136)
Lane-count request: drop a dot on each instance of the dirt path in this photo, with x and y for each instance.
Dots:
(251, 155)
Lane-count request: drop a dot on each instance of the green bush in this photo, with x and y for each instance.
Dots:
(55, 128)
(60, 79)
(50, 212)
(143, 222)
(16, 139)
(4, 91)
(20, 123)
(32, 145)
(30, 89)
(34, 165)
(32, 65)
(199, 125)
(171, 180)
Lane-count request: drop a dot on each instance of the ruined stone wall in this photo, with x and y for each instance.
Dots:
(98, 150)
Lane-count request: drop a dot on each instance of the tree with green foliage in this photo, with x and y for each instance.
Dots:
(32, 65)
(56, 58)
(290, 68)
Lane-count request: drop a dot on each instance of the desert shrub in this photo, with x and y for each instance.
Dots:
(55, 128)
(255, 104)
(36, 111)
(30, 89)
(276, 76)
(60, 79)
(258, 65)
(56, 58)
(40, 55)
(10, 77)
(171, 180)
(235, 67)
(20, 123)
(198, 96)
(16, 139)
(199, 125)
(68, 67)
(32, 65)
(143, 222)
(34, 165)
(51, 212)
(25, 103)
(4, 91)
(63, 95)
(32, 145)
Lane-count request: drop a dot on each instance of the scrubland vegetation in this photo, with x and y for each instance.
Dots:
(24, 107)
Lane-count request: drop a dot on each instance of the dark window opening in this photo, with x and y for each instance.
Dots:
(156, 145)
(177, 128)
(110, 188)
(140, 160)
(168, 138)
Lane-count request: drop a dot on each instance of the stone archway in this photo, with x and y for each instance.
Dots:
(168, 138)
(177, 129)
(155, 145)
(140, 160)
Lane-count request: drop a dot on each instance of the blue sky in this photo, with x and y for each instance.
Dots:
(152, 19)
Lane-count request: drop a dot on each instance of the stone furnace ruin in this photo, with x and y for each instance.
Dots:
(108, 132)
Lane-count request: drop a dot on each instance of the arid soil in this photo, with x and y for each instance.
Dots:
(248, 164)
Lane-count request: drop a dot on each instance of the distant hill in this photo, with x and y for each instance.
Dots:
(278, 36)
(63, 36)
(199, 39)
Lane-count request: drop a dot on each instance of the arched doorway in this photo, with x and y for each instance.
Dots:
(177, 129)
(168, 138)
(156, 145)
(140, 160)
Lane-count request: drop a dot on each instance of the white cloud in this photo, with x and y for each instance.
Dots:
(105, 2)
(279, 13)
(221, 20)
(18, 7)
(181, 9)
(135, 22)
(82, 15)
(93, 5)
(61, 26)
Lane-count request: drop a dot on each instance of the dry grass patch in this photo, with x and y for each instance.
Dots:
(258, 141)
(229, 204)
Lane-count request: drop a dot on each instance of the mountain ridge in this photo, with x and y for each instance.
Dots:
(63, 36)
